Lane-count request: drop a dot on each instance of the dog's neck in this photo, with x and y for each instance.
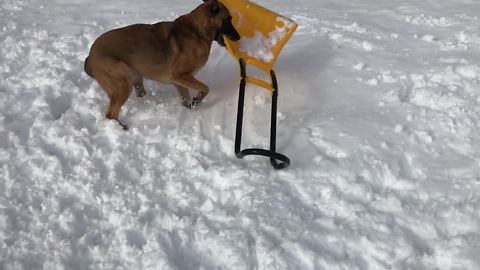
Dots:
(201, 29)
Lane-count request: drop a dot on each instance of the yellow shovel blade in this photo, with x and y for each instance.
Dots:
(263, 33)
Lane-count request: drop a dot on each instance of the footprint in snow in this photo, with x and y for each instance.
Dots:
(327, 148)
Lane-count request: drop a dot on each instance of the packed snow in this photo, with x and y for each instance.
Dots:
(260, 47)
(379, 111)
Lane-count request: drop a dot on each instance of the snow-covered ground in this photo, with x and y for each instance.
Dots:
(379, 111)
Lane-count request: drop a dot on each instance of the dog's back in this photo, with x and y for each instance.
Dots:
(135, 45)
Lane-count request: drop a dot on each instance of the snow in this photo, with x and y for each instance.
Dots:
(260, 47)
(379, 111)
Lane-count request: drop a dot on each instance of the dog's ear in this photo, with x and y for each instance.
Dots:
(215, 7)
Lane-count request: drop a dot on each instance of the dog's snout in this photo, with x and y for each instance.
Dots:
(227, 30)
(230, 30)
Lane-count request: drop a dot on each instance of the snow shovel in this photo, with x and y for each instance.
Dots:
(264, 34)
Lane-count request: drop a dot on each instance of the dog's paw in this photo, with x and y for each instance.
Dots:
(195, 102)
(186, 104)
(140, 92)
(125, 127)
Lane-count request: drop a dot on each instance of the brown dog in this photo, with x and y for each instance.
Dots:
(168, 52)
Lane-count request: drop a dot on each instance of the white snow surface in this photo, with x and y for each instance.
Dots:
(379, 111)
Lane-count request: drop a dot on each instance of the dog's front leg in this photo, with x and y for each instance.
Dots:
(138, 84)
(184, 95)
(139, 88)
(188, 81)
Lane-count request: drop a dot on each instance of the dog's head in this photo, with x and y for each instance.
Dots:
(221, 21)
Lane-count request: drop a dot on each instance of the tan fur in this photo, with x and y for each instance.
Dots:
(169, 52)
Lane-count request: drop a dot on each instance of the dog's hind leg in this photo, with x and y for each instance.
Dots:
(184, 95)
(118, 98)
(115, 79)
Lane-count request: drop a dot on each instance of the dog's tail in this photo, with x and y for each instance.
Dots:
(87, 68)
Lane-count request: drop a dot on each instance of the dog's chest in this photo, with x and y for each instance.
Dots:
(194, 55)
